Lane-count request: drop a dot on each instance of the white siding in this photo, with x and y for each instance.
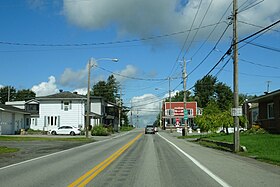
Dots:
(96, 108)
(19, 121)
(74, 116)
(6, 121)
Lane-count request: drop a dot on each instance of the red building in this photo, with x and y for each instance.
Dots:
(176, 116)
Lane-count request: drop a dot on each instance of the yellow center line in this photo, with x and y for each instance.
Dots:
(88, 176)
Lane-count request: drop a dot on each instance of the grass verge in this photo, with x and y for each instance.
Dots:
(265, 147)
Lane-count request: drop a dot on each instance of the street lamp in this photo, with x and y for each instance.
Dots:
(92, 63)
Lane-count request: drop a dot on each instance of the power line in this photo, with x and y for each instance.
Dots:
(206, 12)
(257, 64)
(101, 43)
(210, 34)
(258, 26)
(264, 46)
(185, 41)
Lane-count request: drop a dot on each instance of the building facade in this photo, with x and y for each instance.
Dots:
(173, 113)
(13, 119)
(268, 111)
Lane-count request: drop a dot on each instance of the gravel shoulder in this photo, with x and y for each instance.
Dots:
(32, 149)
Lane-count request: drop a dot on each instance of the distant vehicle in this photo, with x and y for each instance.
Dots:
(149, 129)
(156, 129)
(231, 130)
(65, 130)
(194, 126)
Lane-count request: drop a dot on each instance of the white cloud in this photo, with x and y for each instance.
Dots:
(129, 71)
(81, 91)
(146, 17)
(46, 88)
(146, 107)
(73, 78)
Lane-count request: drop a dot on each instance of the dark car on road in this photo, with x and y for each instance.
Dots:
(149, 129)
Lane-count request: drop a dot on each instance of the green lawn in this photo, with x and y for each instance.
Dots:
(260, 146)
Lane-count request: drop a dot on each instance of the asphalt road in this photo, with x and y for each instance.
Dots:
(135, 159)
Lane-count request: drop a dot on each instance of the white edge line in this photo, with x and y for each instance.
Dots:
(45, 156)
(198, 164)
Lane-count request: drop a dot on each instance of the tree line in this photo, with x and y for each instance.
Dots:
(9, 93)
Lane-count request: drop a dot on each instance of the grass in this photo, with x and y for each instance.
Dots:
(126, 128)
(260, 146)
(8, 150)
(265, 147)
(25, 138)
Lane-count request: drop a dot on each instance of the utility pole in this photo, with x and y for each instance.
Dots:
(131, 113)
(185, 93)
(170, 122)
(9, 93)
(268, 82)
(235, 78)
(120, 109)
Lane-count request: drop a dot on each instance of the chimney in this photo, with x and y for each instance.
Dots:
(75, 92)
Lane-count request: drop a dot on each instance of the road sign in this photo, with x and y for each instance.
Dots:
(185, 114)
(236, 111)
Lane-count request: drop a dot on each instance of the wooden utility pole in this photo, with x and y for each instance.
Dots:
(185, 93)
(170, 119)
(235, 78)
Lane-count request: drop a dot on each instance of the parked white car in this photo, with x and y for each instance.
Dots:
(65, 130)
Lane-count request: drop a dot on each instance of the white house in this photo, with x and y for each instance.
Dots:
(67, 108)
(64, 108)
(12, 119)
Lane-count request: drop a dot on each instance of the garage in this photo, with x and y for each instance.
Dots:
(7, 119)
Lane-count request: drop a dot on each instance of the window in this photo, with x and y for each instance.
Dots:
(52, 120)
(270, 110)
(169, 112)
(66, 106)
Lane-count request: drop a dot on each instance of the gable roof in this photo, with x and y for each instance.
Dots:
(9, 108)
(63, 95)
(266, 96)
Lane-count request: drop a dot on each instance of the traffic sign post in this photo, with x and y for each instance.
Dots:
(185, 114)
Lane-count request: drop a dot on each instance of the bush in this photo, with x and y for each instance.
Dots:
(31, 131)
(99, 131)
(256, 130)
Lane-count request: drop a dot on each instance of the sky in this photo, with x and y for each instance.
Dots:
(46, 45)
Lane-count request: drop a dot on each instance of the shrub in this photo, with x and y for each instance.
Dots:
(256, 130)
(31, 131)
(99, 131)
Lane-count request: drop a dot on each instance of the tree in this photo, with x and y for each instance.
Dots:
(108, 90)
(179, 97)
(7, 93)
(112, 86)
(224, 96)
(204, 90)
(24, 94)
(100, 89)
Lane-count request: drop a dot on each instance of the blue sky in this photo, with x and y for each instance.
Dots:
(45, 45)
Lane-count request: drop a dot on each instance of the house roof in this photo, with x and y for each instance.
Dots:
(10, 108)
(264, 97)
(62, 95)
